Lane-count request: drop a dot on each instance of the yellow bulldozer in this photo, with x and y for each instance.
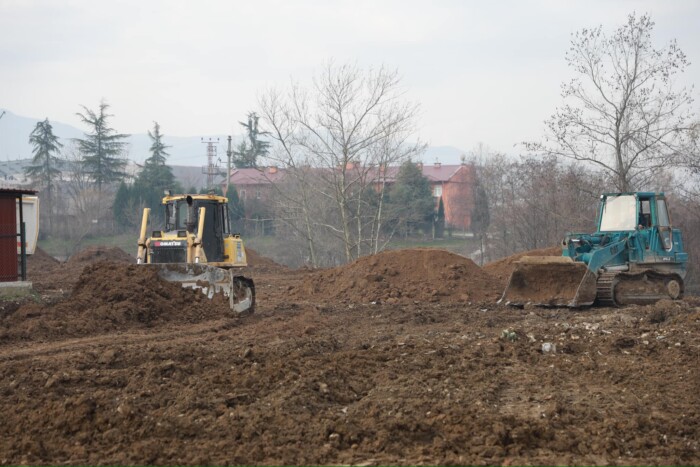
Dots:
(197, 248)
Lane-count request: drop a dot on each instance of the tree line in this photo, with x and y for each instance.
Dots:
(95, 166)
(624, 125)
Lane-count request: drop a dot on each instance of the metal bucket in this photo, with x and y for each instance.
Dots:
(550, 281)
(211, 280)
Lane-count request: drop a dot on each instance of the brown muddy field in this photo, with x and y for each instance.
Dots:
(403, 358)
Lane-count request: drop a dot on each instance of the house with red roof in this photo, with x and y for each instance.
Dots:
(453, 183)
(255, 183)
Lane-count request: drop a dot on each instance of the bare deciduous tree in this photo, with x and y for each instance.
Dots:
(622, 112)
(335, 138)
(534, 202)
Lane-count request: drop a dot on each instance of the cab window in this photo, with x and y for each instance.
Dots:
(645, 213)
(181, 215)
(662, 213)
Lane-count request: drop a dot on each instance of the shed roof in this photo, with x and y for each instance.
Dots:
(16, 191)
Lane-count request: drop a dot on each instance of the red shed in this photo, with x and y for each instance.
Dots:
(9, 238)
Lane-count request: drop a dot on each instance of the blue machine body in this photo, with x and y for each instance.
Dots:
(633, 233)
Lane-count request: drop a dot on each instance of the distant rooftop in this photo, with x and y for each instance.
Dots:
(258, 176)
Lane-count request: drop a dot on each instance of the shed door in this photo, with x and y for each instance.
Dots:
(8, 240)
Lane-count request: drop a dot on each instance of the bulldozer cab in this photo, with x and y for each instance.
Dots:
(637, 211)
(182, 215)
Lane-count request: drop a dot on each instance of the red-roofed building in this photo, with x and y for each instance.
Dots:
(454, 183)
(255, 183)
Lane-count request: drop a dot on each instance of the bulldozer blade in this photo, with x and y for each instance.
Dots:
(550, 281)
(211, 280)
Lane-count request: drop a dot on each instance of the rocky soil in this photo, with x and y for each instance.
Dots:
(402, 358)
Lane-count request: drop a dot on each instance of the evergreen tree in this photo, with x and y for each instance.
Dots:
(235, 208)
(410, 200)
(155, 173)
(250, 150)
(43, 169)
(439, 228)
(122, 204)
(155, 178)
(102, 149)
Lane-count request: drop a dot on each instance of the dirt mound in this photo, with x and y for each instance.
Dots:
(503, 268)
(112, 296)
(40, 260)
(443, 383)
(51, 276)
(42, 268)
(402, 276)
(257, 261)
(101, 253)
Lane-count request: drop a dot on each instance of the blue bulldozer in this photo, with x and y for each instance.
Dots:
(634, 257)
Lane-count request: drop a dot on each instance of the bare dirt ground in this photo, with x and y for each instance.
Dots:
(114, 366)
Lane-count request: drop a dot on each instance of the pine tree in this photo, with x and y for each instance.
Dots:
(248, 152)
(411, 199)
(155, 173)
(156, 177)
(121, 205)
(235, 208)
(440, 220)
(43, 169)
(103, 148)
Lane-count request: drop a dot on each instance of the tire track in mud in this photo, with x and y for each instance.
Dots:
(33, 349)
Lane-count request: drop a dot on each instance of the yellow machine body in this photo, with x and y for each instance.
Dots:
(197, 248)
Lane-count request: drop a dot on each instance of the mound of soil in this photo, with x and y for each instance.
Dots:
(262, 263)
(40, 261)
(503, 268)
(50, 276)
(443, 383)
(402, 276)
(112, 296)
(101, 253)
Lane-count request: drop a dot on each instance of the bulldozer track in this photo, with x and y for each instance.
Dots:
(617, 289)
(605, 289)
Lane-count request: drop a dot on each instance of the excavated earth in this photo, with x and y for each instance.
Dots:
(402, 358)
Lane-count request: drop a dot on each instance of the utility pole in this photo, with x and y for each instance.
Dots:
(211, 169)
(229, 153)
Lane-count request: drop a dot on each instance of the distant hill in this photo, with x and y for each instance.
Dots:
(185, 150)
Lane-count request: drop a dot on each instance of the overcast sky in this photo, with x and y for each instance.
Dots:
(483, 71)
